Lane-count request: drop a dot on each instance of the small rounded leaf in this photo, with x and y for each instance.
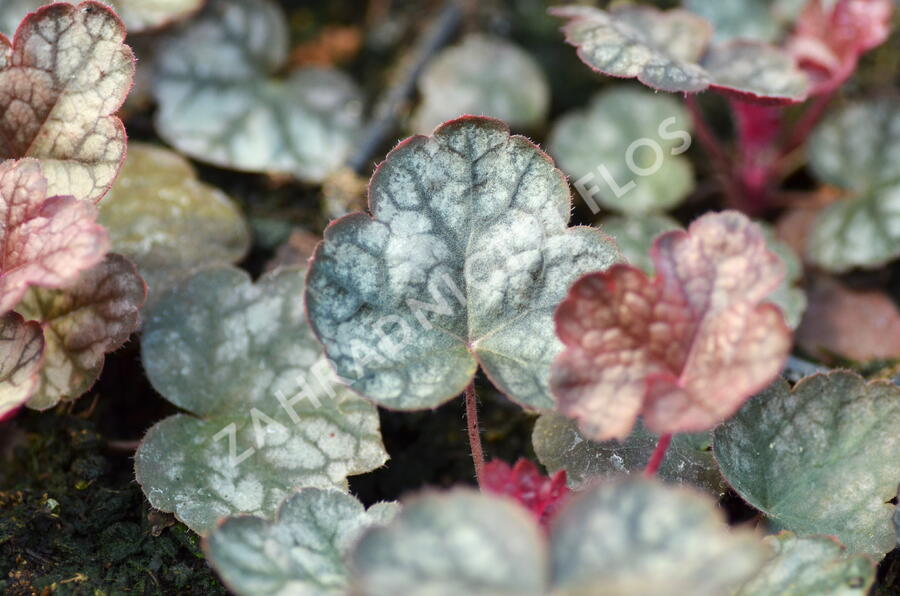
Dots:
(21, 353)
(819, 459)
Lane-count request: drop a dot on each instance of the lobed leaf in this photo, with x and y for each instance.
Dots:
(857, 149)
(670, 51)
(222, 102)
(834, 433)
(462, 262)
(137, 15)
(21, 355)
(302, 552)
(810, 565)
(560, 446)
(62, 79)
(47, 241)
(594, 147)
(264, 413)
(81, 324)
(169, 223)
(509, 86)
(685, 348)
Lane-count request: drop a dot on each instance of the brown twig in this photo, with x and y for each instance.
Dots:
(474, 431)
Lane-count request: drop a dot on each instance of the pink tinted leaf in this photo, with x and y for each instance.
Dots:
(82, 323)
(828, 44)
(45, 241)
(523, 482)
(685, 348)
(62, 79)
(21, 351)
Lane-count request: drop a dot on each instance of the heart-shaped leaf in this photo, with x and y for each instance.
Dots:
(634, 235)
(857, 150)
(221, 102)
(510, 86)
(21, 353)
(560, 446)
(669, 51)
(264, 413)
(627, 537)
(685, 348)
(833, 432)
(161, 217)
(462, 262)
(138, 15)
(302, 552)
(62, 79)
(46, 241)
(82, 323)
(810, 565)
(626, 147)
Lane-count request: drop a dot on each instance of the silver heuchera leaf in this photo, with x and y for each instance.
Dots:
(265, 415)
(634, 235)
(857, 150)
(138, 15)
(760, 19)
(462, 262)
(21, 355)
(302, 553)
(834, 432)
(810, 565)
(221, 102)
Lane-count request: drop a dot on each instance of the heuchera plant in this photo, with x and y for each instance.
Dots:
(650, 358)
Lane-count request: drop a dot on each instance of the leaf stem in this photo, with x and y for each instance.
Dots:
(658, 455)
(474, 431)
(707, 138)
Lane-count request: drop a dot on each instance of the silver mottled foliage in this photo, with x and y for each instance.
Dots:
(138, 15)
(264, 413)
(810, 565)
(858, 150)
(487, 76)
(757, 19)
(220, 100)
(796, 455)
(560, 446)
(302, 553)
(465, 257)
(625, 150)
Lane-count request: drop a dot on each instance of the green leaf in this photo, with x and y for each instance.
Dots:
(819, 459)
(763, 20)
(638, 536)
(264, 414)
(302, 552)
(670, 51)
(161, 217)
(82, 323)
(857, 149)
(634, 236)
(463, 261)
(509, 86)
(21, 355)
(626, 147)
(560, 446)
(221, 100)
(810, 565)
(447, 544)
(788, 295)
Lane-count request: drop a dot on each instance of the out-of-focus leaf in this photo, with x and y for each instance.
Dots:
(46, 242)
(624, 537)
(486, 76)
(161, 217)
(810, 565)
(634, 235)
(560, 446)
(670, 51)
(626, 148)
(138, 15)
(265, 414)
(461, 264)
(540, 495)
(222, 101)
(302, 552)
(858, 149)
(857, 325)
(787, 296)
(819, 459)
(21, 353)
(62, 79)
(685, 348)
(82, 323)
(763, 20)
